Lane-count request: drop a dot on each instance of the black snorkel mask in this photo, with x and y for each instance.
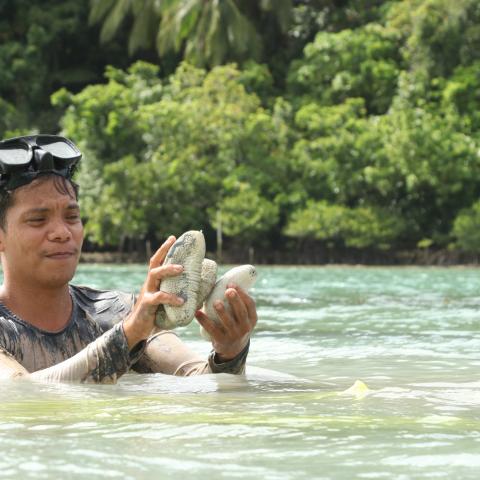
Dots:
(22, 159)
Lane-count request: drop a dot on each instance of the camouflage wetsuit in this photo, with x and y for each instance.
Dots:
(93, 346)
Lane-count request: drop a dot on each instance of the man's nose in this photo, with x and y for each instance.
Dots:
(59, 231)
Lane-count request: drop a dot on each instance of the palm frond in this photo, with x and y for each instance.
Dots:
(167, 31)
(114, 19)
(187, 17)
(242, 36)
(164, 5)
(99, 9)
(282, 11)
(144, 28)
(196, 45)
(215, 42)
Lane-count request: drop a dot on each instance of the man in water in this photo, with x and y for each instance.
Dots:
(51, 330)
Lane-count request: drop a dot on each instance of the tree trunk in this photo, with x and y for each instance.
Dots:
(219, 236)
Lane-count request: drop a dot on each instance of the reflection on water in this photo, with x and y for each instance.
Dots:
(412, 335)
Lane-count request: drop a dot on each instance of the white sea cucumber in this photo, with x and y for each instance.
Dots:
(243, 276)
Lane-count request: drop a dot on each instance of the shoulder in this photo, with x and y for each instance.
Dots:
(106, 307)
(101, 299)
(11, 329)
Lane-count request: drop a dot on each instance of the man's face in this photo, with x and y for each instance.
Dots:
(43, 236)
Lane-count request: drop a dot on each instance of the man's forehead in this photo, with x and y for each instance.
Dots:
(44, 195)
(47, 188)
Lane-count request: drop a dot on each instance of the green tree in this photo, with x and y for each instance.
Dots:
(183, 143)
(352, 63)
(438, 35)
(359, 227)
(420, 167)
(335, 144)
(436, 170)
(10, 120)
(245, 215)
(462, 90)
(466, 228)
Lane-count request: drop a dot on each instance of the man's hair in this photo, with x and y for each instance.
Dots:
(7, 197)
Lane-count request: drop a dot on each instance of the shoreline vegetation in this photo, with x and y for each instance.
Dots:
(319, 256)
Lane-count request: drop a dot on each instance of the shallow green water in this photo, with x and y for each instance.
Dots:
(411, 334)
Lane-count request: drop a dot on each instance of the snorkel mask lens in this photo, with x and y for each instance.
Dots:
(59, 147)
(13, 156)
(22, 159)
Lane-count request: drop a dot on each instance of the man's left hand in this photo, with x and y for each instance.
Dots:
(230, 336)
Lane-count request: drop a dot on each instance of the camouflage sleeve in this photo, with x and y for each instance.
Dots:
(235, 366)
(166, 353)
(104, 360)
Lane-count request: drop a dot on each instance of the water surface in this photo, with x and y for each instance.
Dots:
(412, 335)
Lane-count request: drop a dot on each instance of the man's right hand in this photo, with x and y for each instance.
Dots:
(139, 324)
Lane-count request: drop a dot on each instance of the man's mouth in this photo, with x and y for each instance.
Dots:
(61, 255)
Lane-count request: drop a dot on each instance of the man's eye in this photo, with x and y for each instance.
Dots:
(36, 219)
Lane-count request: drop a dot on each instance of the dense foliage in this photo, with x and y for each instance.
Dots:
(342, 122)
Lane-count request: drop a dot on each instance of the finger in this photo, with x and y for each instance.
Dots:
(211, 326)
(249, 303)
(155, 275)
(158, 257)
(161, 298)
(239, 310)
(225, 317)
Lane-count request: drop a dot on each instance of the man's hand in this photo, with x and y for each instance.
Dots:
(139, 324)
(231, 336)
